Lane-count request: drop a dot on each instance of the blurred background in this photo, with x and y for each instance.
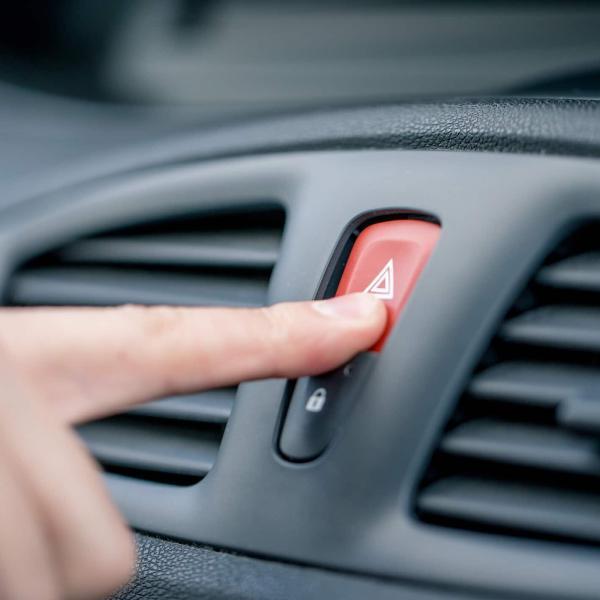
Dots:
(100, 71)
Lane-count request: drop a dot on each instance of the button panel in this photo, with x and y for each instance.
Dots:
(318, 407)
(386, 261)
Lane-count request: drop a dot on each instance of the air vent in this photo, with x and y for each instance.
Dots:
(223, 259)
(521, 453)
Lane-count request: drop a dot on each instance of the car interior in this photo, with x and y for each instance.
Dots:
(441, 155)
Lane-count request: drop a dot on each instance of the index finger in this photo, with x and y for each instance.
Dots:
(92, 362)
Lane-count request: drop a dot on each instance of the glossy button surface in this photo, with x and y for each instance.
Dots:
(386, 261)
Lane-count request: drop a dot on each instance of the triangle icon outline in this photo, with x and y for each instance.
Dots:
(382, 285)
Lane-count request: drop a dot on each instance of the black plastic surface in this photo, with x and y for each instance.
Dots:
(581, 411)
(513, 458)
(530, 509)
(318, 407)
(222, 259)
(500, 214)
(515, 125)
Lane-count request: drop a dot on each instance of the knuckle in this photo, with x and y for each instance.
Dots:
(158, 331)
(162, 320)
(276, 333)
(291, 347)
(153, 321)
(275, 323)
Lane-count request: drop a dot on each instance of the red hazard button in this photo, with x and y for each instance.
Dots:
(386, 261)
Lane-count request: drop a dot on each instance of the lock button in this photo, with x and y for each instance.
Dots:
(318, 406)
(316, 401)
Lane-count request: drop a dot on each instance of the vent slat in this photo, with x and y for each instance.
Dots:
(532, 384)
(569, 328)
(236, 250)
(544, 510)
(219, 258)
(581, 272)
(152, 446)
(521, 453)
(59, 286)
(532, 446)
(207, 407)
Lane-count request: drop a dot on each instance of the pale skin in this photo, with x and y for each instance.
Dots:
(60, 534)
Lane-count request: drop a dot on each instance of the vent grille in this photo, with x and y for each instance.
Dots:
(521, 453)
(222, 259)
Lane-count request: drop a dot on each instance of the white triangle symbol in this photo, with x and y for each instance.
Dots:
(383, 284)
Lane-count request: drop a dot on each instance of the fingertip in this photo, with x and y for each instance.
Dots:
(378, 311)
(348, 324)
(357, 307)
(359, 310)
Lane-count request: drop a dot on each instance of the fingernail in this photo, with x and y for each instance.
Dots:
(352, 306)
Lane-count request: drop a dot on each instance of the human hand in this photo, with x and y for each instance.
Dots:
(60, 535)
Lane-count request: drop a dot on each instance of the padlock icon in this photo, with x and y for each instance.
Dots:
(317, 400)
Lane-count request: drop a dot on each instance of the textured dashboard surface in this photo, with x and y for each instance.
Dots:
(511, 125)
(168, 570)
(518, 125)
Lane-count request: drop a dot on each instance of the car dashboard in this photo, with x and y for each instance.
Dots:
(464, 463)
